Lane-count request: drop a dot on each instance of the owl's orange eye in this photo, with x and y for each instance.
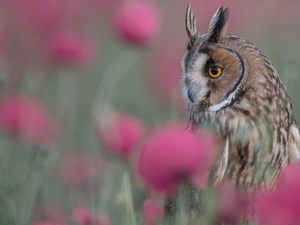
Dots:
(215, 71)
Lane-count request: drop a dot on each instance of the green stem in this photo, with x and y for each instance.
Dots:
(130, 215)
(126, 59)
(32, 190)
(111, 76)
(9, 207)
(173, 113)
(67, 97)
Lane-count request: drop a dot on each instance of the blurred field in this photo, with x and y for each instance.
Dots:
(96, 72)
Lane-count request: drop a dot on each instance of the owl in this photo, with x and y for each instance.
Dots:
(232, 88)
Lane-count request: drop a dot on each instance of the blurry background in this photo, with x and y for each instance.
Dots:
(67, 65)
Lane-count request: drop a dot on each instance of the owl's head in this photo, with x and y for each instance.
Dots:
(213, 65)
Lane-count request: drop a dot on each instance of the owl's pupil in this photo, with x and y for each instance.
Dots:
(214, 70)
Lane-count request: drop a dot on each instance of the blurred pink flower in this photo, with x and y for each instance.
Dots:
(231, 205)
(119, 133)
(83, 216)
(138, 22)
(71, 49)
(48, 223)
(289, 176)
(281, 205)
(27, 118)
(80, 170)
(152, 211)
(171, 155)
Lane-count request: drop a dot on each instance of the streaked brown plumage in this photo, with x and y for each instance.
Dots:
(247, 106)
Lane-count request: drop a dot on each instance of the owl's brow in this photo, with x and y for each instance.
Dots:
(204, 47)
(204, 50)
(208, 63)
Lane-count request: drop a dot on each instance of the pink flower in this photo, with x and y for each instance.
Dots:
(289, 176)
(82, 215)
(48, 223)
(281, 206)
(278, 207)
(171, 155)
(71, 49)
(138, 22)
(231, 205)
(80, 170)
(119, 133)
(152, 212)
(27, 118)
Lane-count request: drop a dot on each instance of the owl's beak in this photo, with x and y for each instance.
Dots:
(190, 96)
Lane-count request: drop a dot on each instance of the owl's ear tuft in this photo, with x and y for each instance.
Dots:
(218, 25)
(190, 22)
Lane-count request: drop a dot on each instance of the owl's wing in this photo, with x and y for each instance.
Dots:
(217, 173)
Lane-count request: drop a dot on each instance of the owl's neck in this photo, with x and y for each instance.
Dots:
(225, 122)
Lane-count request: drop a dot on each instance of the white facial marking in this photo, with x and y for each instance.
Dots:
(220, 105)
(196, 90)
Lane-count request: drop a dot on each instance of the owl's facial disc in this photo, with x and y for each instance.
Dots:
(213, 76)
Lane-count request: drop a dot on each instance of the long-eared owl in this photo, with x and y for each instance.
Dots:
(232, 88)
